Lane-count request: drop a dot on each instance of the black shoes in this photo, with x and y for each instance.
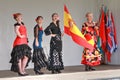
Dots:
(37, 72)
(53, 72)
(89, 68)
(20, 74)
(56, 71)
(86, 68)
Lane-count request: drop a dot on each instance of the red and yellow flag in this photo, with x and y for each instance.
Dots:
(72, 30)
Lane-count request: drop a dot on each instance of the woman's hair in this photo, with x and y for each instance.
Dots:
(88, 13)
(58, 20)
(16, 15)
(38, 18)
(54, 14)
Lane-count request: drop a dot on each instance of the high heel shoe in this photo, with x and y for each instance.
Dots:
(53, 72)
(92, 69)
(20, 74)
(26, 74)
(58, 71)
(87, 68)
(38, 72)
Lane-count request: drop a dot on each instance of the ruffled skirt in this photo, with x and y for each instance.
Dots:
(39, 59)
(91, 59)
(55, 61)
(18, 53)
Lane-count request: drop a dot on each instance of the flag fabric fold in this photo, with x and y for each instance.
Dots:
(107, 32)
(111, 35)
(114, 31)
(72, 30)
(102, 30)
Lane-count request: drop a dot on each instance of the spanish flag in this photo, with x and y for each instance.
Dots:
(72, 30)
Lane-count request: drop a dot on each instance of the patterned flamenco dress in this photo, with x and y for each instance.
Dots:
(91, 58)
(39, 58)
(20, 48)
(55, 62)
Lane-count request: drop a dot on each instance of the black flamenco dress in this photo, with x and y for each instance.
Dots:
(20, 48)
(39, 58)
(55, 59)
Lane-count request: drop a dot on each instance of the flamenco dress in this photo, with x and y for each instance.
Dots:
(39, 59)
(91, 58)
(55, 57)
(20, 49)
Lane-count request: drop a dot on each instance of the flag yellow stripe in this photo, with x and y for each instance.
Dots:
(74, 29)
(67, 17)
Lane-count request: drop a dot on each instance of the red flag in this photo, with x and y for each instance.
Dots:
(108, 54)
(102, 30)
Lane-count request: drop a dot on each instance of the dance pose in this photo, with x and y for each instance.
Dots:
(55, 63)
(39, 58)
(90, 31)
(21, 53)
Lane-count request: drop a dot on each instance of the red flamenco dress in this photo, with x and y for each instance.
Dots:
(20, 48)
(91, 58)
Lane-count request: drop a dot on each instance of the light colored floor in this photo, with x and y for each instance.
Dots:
(102, 72)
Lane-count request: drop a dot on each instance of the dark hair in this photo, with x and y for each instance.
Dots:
(38, 18)
(16, 15)
(54, 14)
(58, 20)
(58, 23)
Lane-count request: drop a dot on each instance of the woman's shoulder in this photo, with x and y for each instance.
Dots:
(51, 24)
(95, 23)
(18, 24)
(84, 24)
(36, 26)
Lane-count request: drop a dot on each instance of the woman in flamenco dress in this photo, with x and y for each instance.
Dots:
(55, 63)
(21, 53)
(39, 58)
(90, 30)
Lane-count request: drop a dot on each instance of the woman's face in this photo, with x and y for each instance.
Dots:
(55, 17)
(40, 21)
(89, 17)
(19, 18)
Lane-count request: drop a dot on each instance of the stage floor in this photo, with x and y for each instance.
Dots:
(102, 72)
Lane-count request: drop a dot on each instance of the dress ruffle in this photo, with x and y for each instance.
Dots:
(18, 53)
(39, 59)
(91, 59)
(55, 61)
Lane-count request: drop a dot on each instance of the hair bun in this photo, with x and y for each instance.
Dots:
(16, 15)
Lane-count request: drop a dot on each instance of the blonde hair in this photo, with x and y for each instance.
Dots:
(88, 13)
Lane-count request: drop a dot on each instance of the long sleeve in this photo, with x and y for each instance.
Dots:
(97, 29)
(83, 29)
(36, 29)
(48, 30)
